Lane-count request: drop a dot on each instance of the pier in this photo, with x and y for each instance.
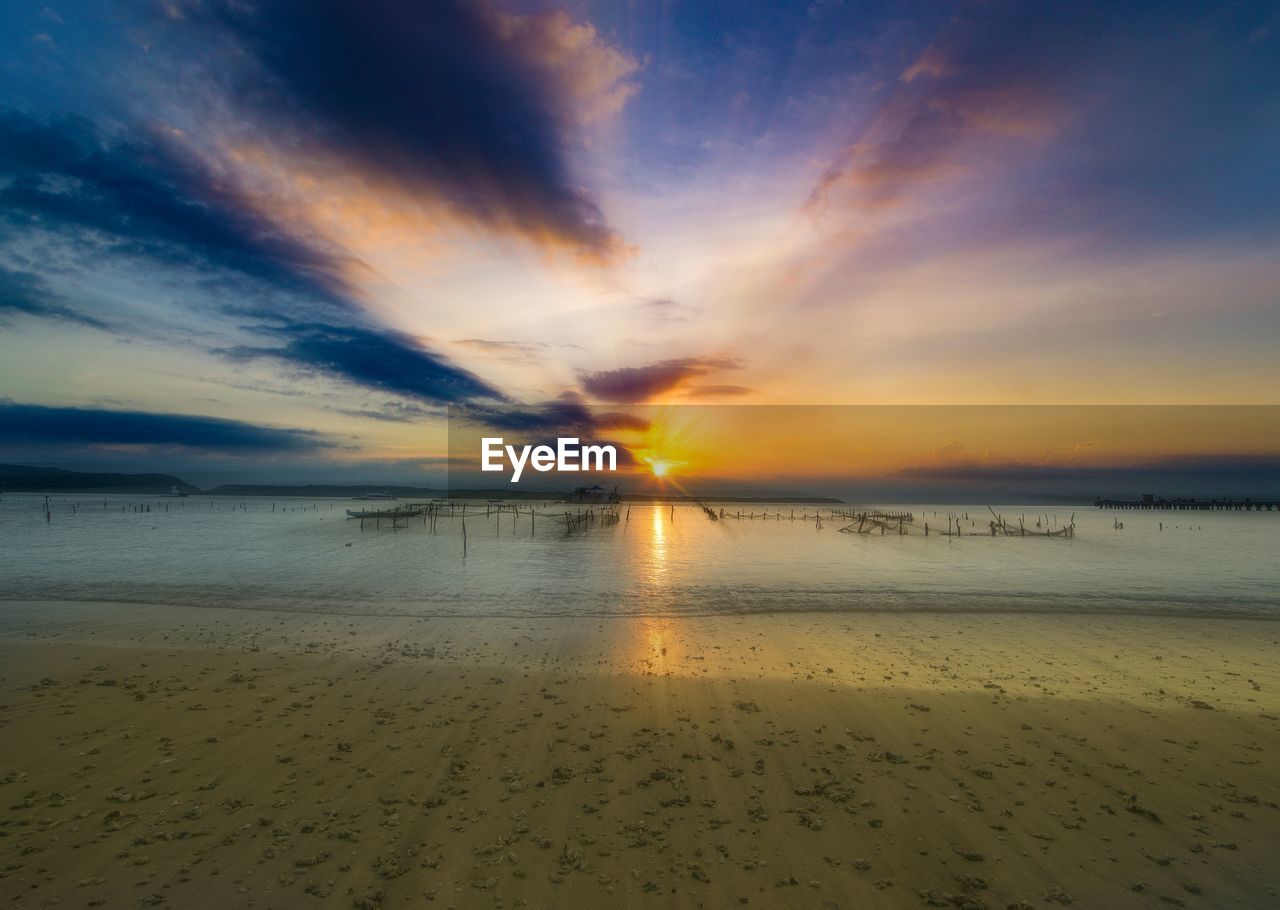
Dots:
(1164, 504)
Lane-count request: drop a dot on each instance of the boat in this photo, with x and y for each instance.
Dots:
(174, 491)
(384, 495)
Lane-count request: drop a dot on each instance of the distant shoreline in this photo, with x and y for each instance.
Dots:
(408, 494)
(60, 481)
(33, 479)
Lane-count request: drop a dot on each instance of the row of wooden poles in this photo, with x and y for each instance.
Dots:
(431, 513)
(997, 526)
(864, 522)
(896, 522)
(804, 516)
(143, 508)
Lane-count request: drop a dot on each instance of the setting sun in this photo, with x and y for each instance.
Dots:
(659, 468)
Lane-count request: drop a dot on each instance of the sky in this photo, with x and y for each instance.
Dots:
(279, 240)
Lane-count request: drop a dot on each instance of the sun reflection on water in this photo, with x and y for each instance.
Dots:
(649, 642)
(657, 562)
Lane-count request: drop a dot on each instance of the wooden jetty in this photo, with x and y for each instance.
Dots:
(1165, 504)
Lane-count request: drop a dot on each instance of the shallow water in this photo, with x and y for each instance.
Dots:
(292, 555)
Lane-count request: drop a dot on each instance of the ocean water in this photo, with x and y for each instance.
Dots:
(307, 556)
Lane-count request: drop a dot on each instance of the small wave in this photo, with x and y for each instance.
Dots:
(674, 606)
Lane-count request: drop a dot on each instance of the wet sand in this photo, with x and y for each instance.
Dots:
(181, 757)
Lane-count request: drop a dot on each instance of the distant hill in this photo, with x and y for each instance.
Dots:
(15, 478)
(31, 479)
(646, 497)
(322, 490)
(348, 491)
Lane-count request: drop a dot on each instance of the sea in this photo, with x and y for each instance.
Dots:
(655, 559)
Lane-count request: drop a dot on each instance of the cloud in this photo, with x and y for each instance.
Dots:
(393, 412)
(147, 196)
(949, 452)
(28, 294)
(499, 347)
(377, 359)
(638, 384)
(1105, 119)
(518, 352)
(566, 416)
(1261, 470)
(988, 77)
(447, 99)
(667, 309)
(620, 420)
(718, 391)
(36, 425)
(592, 79)
(540, 424)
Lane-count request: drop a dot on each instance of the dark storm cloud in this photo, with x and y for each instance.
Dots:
(144, 196)
(566, 416)
(377, 359)
(445, 97)
(35, 425)
(28, 294)
(639, 384)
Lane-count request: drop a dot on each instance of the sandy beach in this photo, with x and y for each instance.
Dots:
(195, 757)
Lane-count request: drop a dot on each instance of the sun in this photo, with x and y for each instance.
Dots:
(661, 467)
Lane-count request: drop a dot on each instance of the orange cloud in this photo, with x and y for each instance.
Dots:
(594, 77)
(971, 87)
(449, 105)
